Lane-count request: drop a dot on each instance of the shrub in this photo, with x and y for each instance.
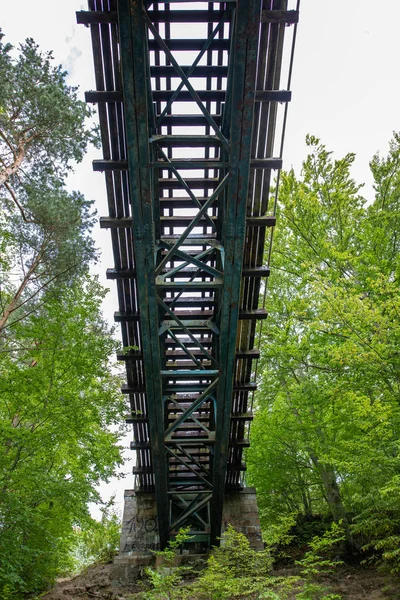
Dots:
(233, 570)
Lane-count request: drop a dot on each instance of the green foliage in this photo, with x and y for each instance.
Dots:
(164, 582)
(44, 229)
(98, 541)
(325, 440)
(58, 394)
(280, 532)
(379, 525)
(233, 570)
(58, 398)
(236, 555)
(314, 591)
(270, 595)
(165, 578)
(39, 110)
(127, 349)
(318, 559)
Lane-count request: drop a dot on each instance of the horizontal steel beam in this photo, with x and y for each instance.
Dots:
(249, 314)
(280, 16)
(184, 96)
(187, 45)
(104, 96)
(200, 71)
(173, 389)
(245, 443)
(185, 16)
(94, 96)
(273, 96)
(181, 221)
(94, 17)
(144, 418)
(261, 271)
(189, 163)
(186, 141)
(249, 354)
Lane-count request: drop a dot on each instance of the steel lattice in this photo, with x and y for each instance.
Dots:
(188, 101)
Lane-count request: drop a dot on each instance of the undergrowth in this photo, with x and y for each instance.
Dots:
(235, 570)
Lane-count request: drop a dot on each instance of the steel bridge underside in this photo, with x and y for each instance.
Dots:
(188, 98)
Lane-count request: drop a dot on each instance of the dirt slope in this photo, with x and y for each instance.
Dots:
(352, 583)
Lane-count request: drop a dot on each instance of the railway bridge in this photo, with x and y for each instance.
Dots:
(192, 100)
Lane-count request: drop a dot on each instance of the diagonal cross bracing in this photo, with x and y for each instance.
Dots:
(188, 104)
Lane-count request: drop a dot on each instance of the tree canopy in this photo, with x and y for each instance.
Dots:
(45, 229)
(326, 436)
(60, 404)
(57, 402)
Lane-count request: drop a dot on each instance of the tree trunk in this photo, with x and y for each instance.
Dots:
(332, 496)
(6, 173)
(13, 305)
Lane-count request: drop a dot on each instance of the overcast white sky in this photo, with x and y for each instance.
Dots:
(346, 86)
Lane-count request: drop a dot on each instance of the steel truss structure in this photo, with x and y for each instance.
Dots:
(188, 98)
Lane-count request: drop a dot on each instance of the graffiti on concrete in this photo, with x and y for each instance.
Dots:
(139, 533)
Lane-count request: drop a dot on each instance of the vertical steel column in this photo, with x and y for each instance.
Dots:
(243, 64)
(180, 274)
(134, 58)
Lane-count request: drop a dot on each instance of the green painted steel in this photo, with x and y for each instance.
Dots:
(243, 63)
(133, 43)
(188, 157)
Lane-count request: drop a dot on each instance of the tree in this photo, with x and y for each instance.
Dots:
(329, 398)
(99, 541)
(44, 229)
(58, 398)
(59, 393)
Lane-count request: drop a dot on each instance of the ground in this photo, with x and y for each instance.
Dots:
(350, 582)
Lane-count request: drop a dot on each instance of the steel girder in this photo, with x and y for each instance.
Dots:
(188, 229)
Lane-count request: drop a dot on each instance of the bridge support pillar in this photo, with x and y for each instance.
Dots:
(139, 523)
(139, 535)
(241, 511)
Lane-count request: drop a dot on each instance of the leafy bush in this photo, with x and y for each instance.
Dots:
(166, 576)
(233, 570)
(320, 560)
(378, 526)
(98, 541)
(235, 554)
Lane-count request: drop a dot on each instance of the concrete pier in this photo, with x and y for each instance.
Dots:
(139, 535)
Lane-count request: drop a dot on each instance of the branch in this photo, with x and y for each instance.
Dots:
(2, 328)
(11, 170)
(20, 318)
(12, 306)
(2, 135)
(16, 114)
(14, 197)
(11, 469)
(46, 284)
